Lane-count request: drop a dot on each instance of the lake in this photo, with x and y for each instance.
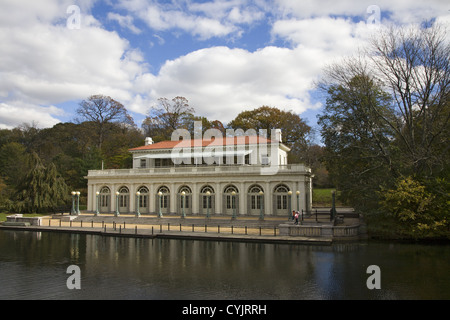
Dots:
(33, 265)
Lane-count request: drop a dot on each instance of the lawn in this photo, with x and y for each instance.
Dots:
(3, 215)
(323, 197)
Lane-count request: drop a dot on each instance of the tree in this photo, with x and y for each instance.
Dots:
(387, 118)
(414, 65)
(358, 151)
(294, 130)
(13, 163)
(414, 207)
(166, 117)
(41, 189)
(101, 111)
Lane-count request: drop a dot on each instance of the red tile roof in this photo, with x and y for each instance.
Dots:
(227, 141)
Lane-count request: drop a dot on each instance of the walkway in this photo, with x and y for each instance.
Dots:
(243, 229)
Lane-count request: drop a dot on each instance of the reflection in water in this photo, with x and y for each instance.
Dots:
(133, 268)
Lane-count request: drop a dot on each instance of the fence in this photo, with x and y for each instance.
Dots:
(280, 230)
(155, 228)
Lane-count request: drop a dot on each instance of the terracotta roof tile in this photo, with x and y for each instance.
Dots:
(204, 143)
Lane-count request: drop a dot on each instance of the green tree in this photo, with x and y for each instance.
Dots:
(295, 131)
(414, 207)
(14, 162)
(41, 189)
(358, 150)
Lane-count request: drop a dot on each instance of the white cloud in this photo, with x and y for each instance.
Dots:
(337, 35)
(16, 112)
(221, 82)
(124, 22)
(45, 63)
(400, 11)
(204, 20)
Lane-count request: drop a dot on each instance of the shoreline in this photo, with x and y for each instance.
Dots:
(176, 235)
(312, 230)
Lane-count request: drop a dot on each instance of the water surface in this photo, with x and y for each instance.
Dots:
(33, 265)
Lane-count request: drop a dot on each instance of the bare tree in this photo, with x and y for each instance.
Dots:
(413, 64)
(168, 116)
(102, 110)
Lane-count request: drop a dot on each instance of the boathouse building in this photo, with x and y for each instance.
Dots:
(234, 176)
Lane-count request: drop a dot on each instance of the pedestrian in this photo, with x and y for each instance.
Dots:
(296, 217)
(293, 215)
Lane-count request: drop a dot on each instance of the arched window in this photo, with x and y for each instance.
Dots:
(281, 188)
(186, 199)
(255, 189)
(255, 198)
(230, 200)
(163, 189)
(281, 195)
(164, 197)
(184, 189)
(207, 188)
(124, 194)
(105, 194)
(207, 199)
(143, 198)
(230, 189)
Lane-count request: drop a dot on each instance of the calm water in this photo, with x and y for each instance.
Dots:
(33, 265)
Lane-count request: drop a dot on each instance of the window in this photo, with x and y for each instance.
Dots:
(281, 202)
(123, 197)
(164, 201)
(231, 202)
(143, 199)
(185, 202)
(206, 202)
(143, 163)
(255, 196)
(104, 200)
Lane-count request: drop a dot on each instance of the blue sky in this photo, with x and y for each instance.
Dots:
(224, 56)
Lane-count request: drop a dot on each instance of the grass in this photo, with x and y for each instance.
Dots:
(3, 215)
(323, 197)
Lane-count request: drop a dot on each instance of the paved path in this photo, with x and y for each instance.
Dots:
(242, 229)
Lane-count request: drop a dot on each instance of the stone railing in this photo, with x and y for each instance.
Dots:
(239, 169)
(19, 219)
(324, 231)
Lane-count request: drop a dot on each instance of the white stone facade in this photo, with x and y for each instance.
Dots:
(246, 187)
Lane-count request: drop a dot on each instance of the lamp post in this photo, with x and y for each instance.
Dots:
(208, 203)
(333, 206)
(78, 203)
(97, 195)
(261, 213)
(183, 204)
(117, 204)
(138, 195)
(290, 205)
(72, 212)
(233, 204)
(160, 205)
(298, 202)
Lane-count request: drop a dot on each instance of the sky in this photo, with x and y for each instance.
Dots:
(224, 56)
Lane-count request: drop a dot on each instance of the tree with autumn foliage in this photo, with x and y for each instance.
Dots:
(295, 131)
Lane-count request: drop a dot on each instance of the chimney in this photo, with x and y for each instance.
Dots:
(148, 141)
(278, 135)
